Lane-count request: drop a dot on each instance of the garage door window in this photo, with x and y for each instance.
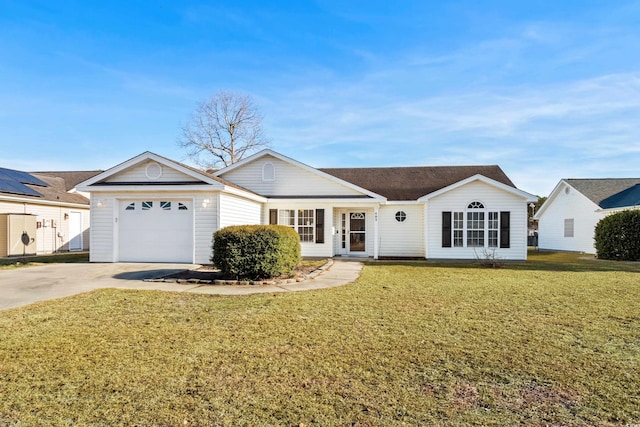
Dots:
(147, 205)
(130, 207)
(182, 207)
(165, 206)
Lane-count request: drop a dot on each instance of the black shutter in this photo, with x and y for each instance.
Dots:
(505, 229)
(273, 216)
(446, 229)
(319, 225)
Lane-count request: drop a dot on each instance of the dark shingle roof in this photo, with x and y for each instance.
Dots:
(56, 191)
(608, 192)
(411, 183)
(71, 178)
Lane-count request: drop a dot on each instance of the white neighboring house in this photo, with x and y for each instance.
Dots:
(568, 218)
(154, 209)
(59, 214)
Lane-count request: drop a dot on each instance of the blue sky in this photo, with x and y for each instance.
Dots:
(545, 89)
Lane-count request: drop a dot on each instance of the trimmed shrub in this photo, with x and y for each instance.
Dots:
(618, 236)
(256, 251)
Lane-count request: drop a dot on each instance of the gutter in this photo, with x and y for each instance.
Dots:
(44, 202)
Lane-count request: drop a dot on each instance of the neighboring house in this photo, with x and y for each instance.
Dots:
(568, 218)
(153, 209)
(53, 217)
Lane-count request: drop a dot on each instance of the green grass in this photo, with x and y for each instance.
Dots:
(27, 261)
(555, 341)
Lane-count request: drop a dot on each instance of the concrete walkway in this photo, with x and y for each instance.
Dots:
(22, 286)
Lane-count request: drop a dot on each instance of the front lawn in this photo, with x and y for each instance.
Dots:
(555, 341)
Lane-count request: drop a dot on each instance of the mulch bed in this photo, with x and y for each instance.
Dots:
(207, 274)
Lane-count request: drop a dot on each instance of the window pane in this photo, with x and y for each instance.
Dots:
(287, 217)
(458, 229)
(493, 225)
(475, 229)
(306, 224)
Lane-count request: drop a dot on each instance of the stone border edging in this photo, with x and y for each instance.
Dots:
(315, 273)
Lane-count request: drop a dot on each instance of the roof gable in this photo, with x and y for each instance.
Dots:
(291, 179)
(150, 169)
(488, 181)
(411, 183)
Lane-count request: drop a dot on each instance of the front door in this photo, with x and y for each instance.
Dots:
(75, 231)
(357, 232)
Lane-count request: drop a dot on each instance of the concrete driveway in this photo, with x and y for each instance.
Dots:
(22, 286)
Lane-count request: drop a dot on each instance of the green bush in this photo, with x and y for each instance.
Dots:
(618, 236)
(256, 251)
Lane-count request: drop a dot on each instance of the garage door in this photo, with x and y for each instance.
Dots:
(156, 231)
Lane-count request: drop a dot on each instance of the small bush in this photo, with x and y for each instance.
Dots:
(256, 251)
(617, 236)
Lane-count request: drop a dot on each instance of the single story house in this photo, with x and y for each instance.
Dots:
(567, 220)
(153, 209)
(43, 209)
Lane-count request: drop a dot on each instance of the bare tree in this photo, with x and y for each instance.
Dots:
(222, 130)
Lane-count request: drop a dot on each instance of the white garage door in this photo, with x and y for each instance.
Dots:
(156, 231)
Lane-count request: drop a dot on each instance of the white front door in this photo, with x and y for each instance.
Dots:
(155, 230)
(75, 231)
(352, 233)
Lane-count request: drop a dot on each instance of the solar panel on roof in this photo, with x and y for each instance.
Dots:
(15, 187)
(22, 177)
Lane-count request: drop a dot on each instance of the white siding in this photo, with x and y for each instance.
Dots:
(138, 173)
(238, 211)
(573, 205)
(205, 224)
(49, 239)
(289, 180)
(102, 228)
(398, 239)
(493, 199)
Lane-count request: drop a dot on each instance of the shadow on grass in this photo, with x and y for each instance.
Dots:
(537, 261)
(70, 257)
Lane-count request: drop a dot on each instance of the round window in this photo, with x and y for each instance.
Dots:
(401, 216)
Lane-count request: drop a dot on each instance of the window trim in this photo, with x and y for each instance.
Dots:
(310, 230)
(476, 222)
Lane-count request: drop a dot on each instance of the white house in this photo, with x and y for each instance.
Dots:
(567, 220)
(153, 209)
(43, 209)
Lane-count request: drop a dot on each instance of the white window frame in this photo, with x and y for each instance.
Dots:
(486, 222)
(301, 220)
